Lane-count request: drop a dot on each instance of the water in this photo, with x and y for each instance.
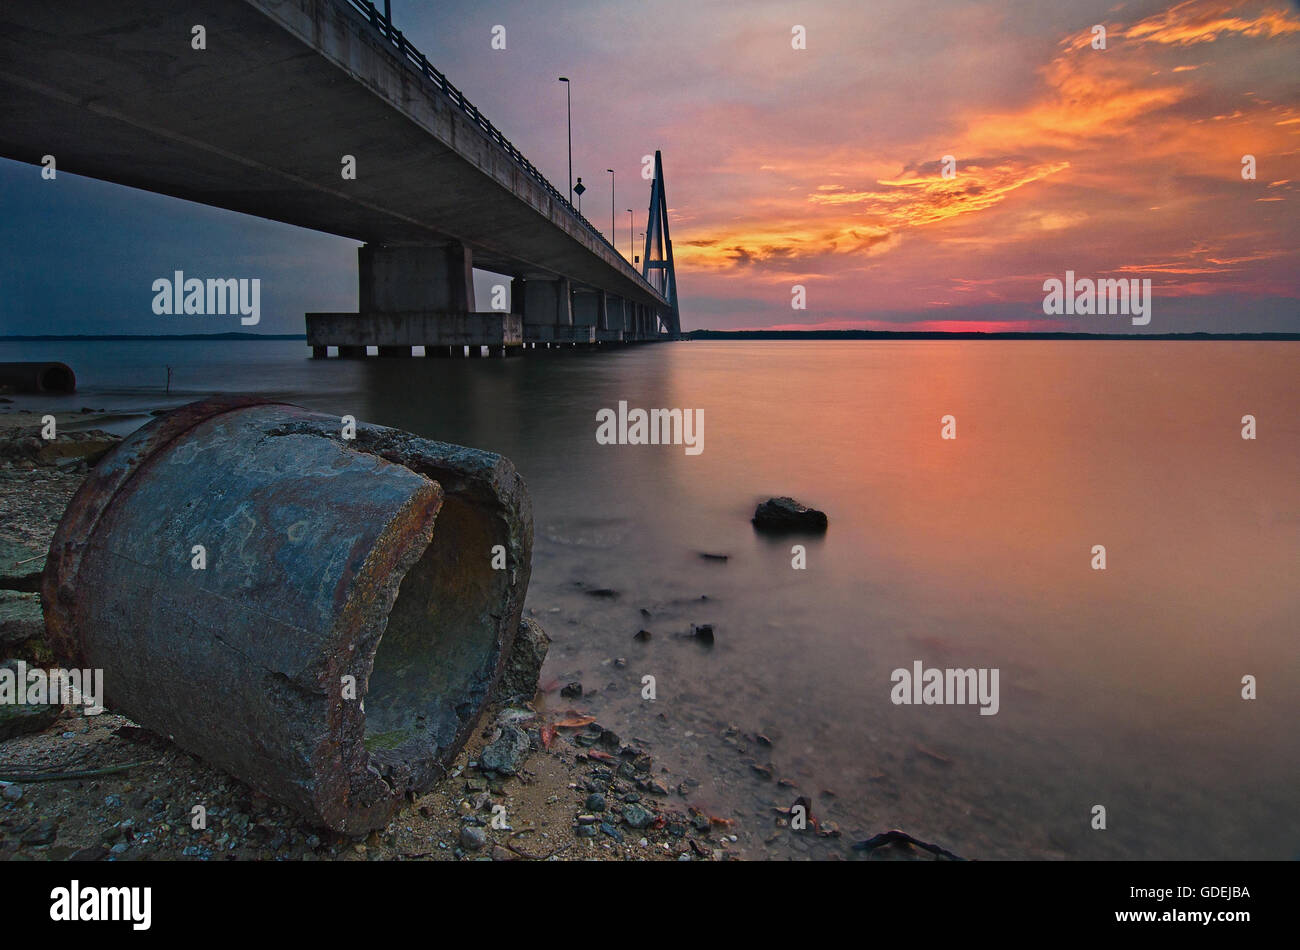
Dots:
(1119, 688)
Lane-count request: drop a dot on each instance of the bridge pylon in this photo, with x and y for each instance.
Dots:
(658, 269)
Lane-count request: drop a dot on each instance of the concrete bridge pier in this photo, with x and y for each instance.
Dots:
(587, 308)
(399, 278)
(554, 314)
(414, 295)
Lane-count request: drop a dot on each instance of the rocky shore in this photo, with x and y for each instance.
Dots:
(540, 778)
(530, 785)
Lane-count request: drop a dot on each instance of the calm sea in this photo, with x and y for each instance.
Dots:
(1119, 687)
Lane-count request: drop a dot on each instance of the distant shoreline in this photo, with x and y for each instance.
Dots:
(966, 335)
(74, 337)
(707, 335)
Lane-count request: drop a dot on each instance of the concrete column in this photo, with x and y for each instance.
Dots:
(586, 308)
(547, 303)
(396, 278)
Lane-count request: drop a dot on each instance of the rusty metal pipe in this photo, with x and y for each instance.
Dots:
(38, 378)
(325, 559)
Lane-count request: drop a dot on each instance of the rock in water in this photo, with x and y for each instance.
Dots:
(786, 514)
(524, 665)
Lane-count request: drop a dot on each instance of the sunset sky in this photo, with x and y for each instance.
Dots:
(819, 167)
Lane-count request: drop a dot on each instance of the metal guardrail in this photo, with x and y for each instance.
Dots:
(385, 28)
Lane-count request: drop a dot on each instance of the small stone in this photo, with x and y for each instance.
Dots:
(703, 633)
(44, 832)
(18, 719)
(525, 662)
(642, 635)
(585, 831)
(20, 617)
(507, 753)
(571, 691)
(472, 838)
(595, 802)
(637, 817)
(12, 793)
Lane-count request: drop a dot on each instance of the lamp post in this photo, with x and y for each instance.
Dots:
(631, 227)
(612, 238)
(568, 99)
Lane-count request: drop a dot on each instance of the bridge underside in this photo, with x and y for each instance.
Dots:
(261, 121)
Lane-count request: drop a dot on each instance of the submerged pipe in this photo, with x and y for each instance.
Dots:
(38, 377)
(235, 565)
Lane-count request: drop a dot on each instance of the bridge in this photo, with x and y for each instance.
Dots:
(321, 114)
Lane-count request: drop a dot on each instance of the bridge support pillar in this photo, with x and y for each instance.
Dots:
(586, 308)
(547, 304)
(411, 277)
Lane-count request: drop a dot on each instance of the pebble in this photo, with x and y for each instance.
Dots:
(636, 816)
(595, 802)
(13, 793)
(42, 833)
(472, 838)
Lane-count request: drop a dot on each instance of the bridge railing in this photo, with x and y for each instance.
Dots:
(408, 51)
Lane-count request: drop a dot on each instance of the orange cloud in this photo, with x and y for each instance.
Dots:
(1196, 21)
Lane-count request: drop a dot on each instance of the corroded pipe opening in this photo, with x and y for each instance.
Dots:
(38, 377)
(320, 617)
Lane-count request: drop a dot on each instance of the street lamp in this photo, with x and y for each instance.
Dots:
(568, 98)
(612, 238)
(631, 228)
